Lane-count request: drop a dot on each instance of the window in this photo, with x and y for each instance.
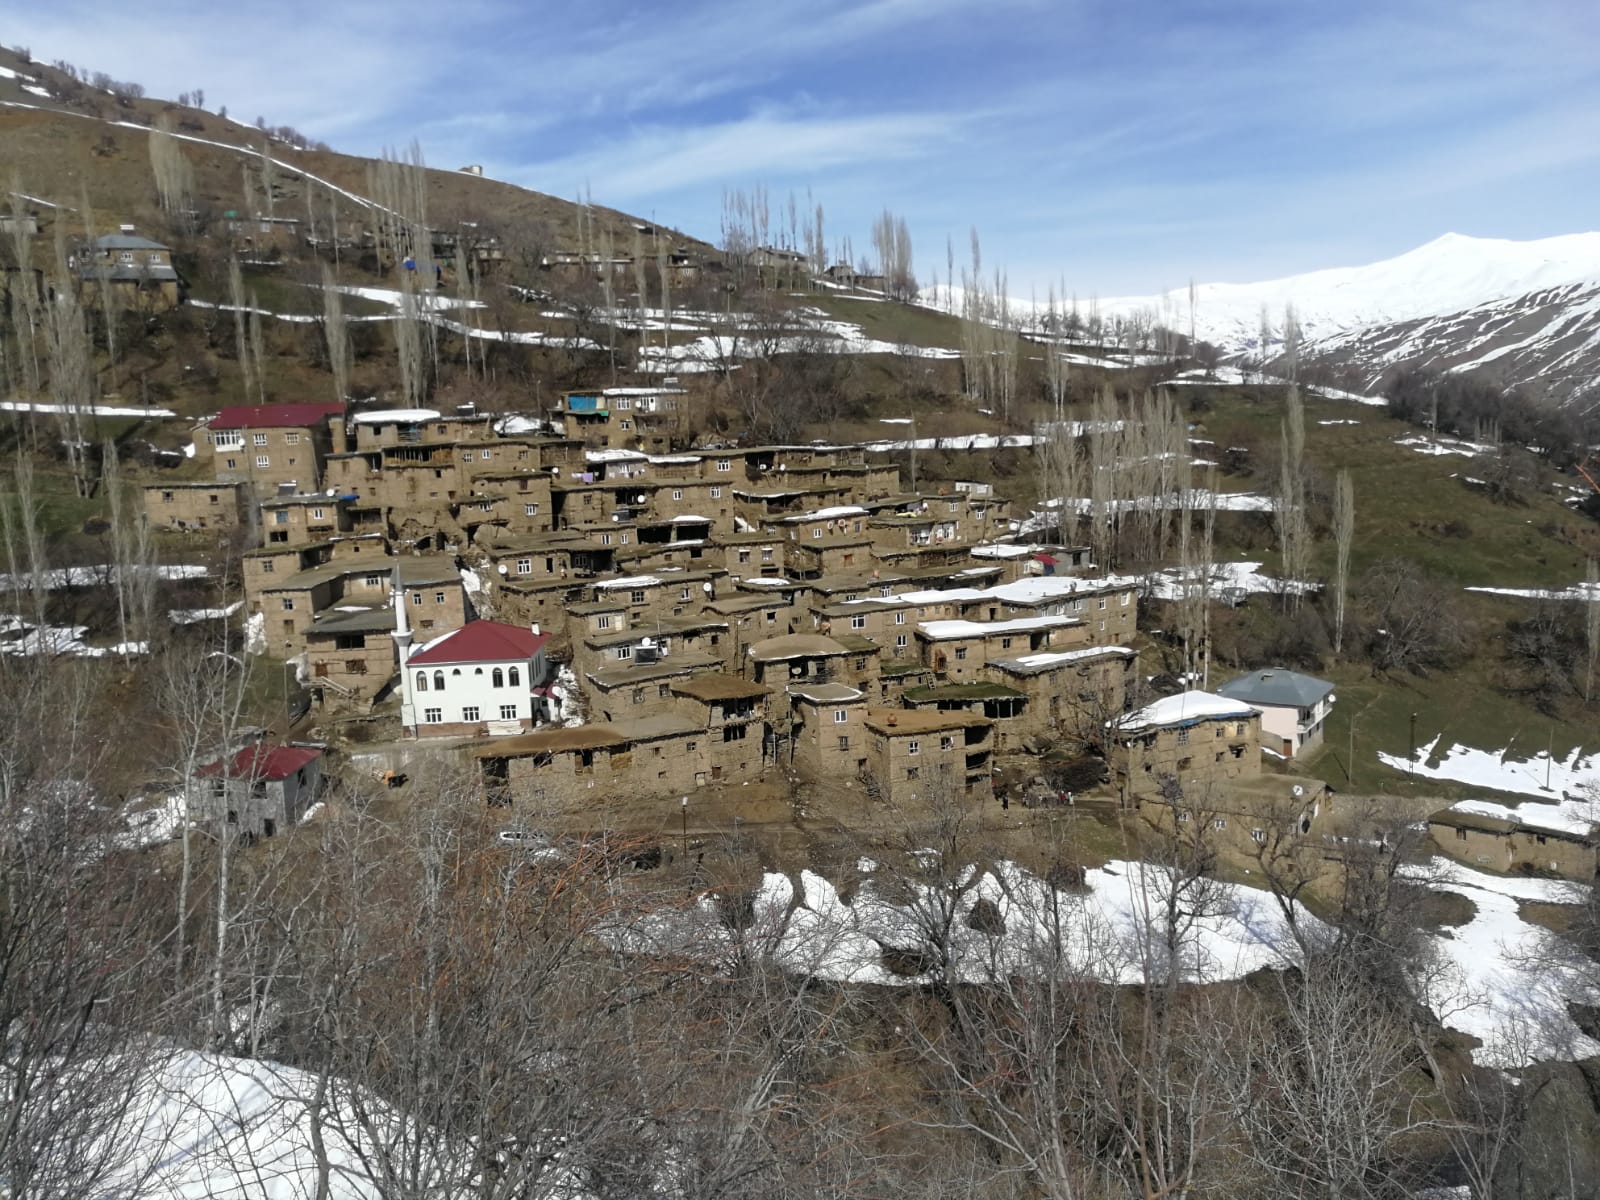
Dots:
(913, 747)
(263, 461)
(292, 439)
(530, 510)
(1183, 816)
(772, 616)
(281, 517)
(432, 716)
(858, 622)
(416, 599)
(955, 506)
(623, 652)
(1183, 737)
(1005, 643)
(624, 539)
(167, 498)
(232, 464)
(724, 464)
(663, 691)
(1259, 836)
(1102, 604)
(288, 604)
(318, 514)
(716, 493)
(844, 744)
(374, 581)
(524, 566)
(515, 677)
(947, 743)
(624, 404)
(1126, 597)
(744, 556)
(900, 641)
(230, 440)
(605, 539)
(438, 681)
(422, 681)
(816, 533)
(913, 772)
(638, 695)
(259, 439)
(840, 716)
(1220, 823)
(497, 678)
(268, 566)
(602, 622)
(899, 618)
(625, 424)
(636, 596)
(471, 713)
(683, 593)
(677, 493)
(508, 712)
(961, 653)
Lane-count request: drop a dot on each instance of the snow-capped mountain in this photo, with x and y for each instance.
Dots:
(1527, 313)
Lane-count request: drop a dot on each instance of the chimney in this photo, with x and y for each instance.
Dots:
(341, 436)
(535, 628)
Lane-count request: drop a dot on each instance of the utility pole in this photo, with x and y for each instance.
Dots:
(1411, 752)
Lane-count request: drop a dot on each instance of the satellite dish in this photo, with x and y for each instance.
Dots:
(706, 587)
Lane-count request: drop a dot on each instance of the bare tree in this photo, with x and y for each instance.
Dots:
(336, 333)
(1344, 530)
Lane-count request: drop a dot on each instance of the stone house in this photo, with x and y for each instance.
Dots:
(627, 689)
(350, 657)
(960, 651)
(268, 446)
(296, 520)
(922, 754)
(1532, 838)
(192, 507)
(260, 790)
(733, 713)
(1195, 738)
(435, 600)
(1068, 691)
(825, 737)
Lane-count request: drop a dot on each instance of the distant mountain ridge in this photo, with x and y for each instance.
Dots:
(1524, 313)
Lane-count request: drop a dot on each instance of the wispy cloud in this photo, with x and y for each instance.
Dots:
(1125, 145)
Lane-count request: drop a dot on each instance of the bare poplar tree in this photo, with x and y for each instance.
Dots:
(258, 349)
(337, 334)
(241, 340)
(1344, 530)
(891, 239)
(1293, 531)
(72, 378)
(174, 174)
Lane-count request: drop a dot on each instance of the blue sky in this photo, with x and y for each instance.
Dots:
(1116, 148)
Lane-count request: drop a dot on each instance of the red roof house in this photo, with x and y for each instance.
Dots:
(275, 416)
(264, 762)
(480, 641)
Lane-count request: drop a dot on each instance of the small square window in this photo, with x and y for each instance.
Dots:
(259, 439)
(840, 716)
(263, 461)
(913, 747)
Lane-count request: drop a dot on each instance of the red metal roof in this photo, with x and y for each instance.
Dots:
(481, 641)
(261, 761)
(275, 416)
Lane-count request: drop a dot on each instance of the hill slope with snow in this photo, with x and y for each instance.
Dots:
(1529, 312)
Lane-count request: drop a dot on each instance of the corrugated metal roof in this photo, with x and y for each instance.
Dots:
(1277, 687)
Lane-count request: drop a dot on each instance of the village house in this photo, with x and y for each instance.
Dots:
(733, 713)
(1561, 840)
(1294, 708)
(1067, 691)
(259, 790)
(611, 416)
(193, 507)
(266, 446)
(633, 687)
(139, 271)
(1194, 739)
(297, 520)
(825, 736)
(923, 754)
(959, 651)
(810, 658)
(435, 599)
(483, 678)
(261, 233)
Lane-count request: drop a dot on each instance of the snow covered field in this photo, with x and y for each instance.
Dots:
(1111, 931)
(96, 410)
(1236, 577)
(1498, 771)
(1504, 980)
(97, 576)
